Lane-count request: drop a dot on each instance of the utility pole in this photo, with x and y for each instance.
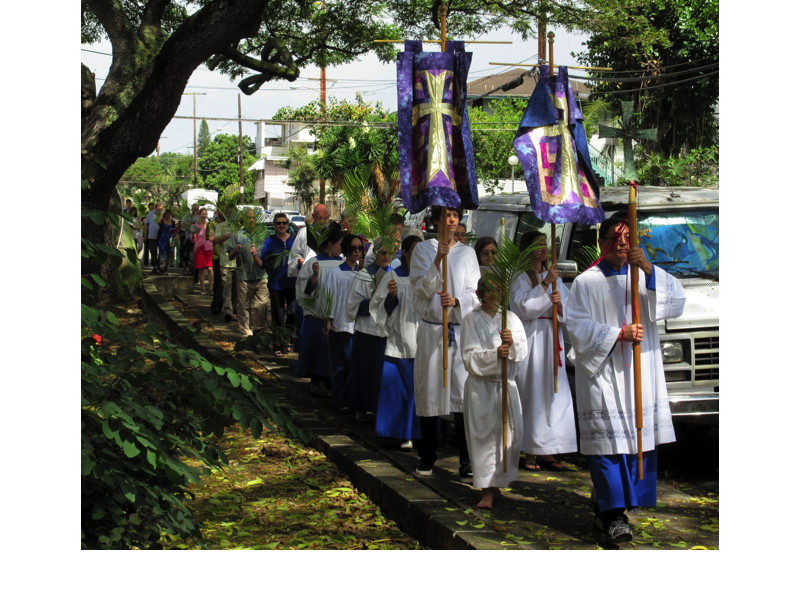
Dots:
(194, 127)
(323, 98)
(241, 154)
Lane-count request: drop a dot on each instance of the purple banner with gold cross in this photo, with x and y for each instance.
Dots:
(554, 154)
(437, 166)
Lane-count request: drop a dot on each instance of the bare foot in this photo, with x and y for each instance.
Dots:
(489, 495)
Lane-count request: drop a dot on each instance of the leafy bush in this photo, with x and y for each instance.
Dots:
(149, 408)
(700, 167)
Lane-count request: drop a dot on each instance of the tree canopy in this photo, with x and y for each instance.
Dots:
(665, 57)
(219, 167)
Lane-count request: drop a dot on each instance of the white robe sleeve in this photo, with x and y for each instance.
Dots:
(668, 299)
(377, 304)
(299, 250)
(360, 290)
(479, 360)
(592, 341)
(519, 348)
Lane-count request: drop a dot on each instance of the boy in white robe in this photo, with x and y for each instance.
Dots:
(484, 344)
(599, 322)
(432, 398)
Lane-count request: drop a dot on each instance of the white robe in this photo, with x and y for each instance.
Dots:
(313, 304)
(400, 327)
(362, 289)
(597, 310)
(299, 249)
(432, 398)
(483, 405)
(548, 418)
(336, 284)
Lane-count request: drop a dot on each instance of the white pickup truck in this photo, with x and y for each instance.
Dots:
(680, 231)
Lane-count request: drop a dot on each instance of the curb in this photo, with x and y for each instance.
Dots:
(418, 510)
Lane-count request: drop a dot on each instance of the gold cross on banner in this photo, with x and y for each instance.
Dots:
(436, 109)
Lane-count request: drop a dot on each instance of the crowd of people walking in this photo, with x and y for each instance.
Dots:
(366, 319)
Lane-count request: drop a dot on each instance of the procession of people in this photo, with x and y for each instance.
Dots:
(370, 337)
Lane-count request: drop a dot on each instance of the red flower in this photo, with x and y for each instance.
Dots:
(97, 338)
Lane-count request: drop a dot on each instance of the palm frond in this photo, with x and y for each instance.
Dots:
(257, 230)
(371, 217)
(586, 255)
(509, 263)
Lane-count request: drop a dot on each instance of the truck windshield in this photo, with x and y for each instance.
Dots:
(683, 242)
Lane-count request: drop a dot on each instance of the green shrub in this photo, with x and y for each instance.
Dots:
(151, 412)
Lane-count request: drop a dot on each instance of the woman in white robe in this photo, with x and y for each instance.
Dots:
(483, 344)
(392, 307)
(313, 356)
(333, 292)
(549, 421)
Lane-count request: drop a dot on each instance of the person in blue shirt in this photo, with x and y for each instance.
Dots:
(275, 258)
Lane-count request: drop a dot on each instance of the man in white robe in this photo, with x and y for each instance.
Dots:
(432, 398)
(599, 321)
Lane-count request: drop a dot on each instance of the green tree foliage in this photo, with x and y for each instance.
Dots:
(219, 167)
(203, 138)
(342, 149)
(148, 407)
(699, 167)
(163, 177)
(493, 133)
(669, 51)
(302, 175)
(158, 45)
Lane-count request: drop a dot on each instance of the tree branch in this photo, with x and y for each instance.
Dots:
(113, 19)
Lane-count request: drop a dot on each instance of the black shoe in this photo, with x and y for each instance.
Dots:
(424, 469)
(619, 531)
(227, 318)
(465, 472)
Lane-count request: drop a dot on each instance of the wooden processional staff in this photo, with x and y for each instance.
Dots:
(633, 230)
(443, 234)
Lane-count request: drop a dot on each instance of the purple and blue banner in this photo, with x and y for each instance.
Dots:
(554, 154)
(437, 165)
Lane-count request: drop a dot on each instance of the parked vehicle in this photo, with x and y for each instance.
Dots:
(680, 231)
(423, 222)
(298, 220)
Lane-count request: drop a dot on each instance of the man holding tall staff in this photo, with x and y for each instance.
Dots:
(433, 398)
(602, 330)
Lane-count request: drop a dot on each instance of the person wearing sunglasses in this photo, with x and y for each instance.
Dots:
(461, 233)
(334, 288)
(601, 328)
(486, 250)
(275, 257)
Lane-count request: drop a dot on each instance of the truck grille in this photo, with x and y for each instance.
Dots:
(706, 358)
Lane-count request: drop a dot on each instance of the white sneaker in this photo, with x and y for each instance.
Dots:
(407, 445)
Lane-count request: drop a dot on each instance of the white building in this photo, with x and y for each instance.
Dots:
(273, 142)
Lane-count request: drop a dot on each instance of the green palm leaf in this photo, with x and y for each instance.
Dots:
(510, 262)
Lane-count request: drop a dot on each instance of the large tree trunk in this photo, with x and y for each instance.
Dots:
(142, 92)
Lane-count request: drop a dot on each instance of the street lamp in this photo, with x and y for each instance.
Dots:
(513, 161)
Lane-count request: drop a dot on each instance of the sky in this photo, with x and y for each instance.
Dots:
(217, 101)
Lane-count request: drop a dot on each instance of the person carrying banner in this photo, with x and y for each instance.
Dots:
(600, 325)
(433, 399)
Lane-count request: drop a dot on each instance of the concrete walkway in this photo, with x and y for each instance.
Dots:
(542, 510)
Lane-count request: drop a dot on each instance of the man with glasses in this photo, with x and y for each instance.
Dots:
(275, 258)
(598, 318)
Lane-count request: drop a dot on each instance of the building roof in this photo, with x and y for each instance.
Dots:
(489, 87)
